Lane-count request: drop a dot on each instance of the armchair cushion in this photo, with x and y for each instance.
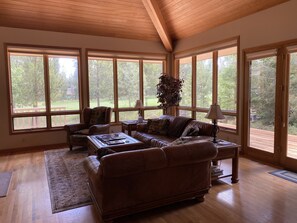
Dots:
(82, 132)
(99, 129)
(75, 127)
(97, 116)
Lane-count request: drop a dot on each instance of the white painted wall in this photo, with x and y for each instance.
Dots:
(34, 37)
(265, 27)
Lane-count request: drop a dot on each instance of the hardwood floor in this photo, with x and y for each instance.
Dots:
(258, 197)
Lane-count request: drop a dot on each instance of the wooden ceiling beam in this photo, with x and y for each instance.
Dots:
(156, 16)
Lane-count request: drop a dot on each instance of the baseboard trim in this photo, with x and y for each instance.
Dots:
(32, 149)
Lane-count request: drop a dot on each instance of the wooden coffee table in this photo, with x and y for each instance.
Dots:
(118, 142)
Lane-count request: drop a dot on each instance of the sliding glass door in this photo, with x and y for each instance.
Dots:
(290, 158)
(262, 103)
(271, 112)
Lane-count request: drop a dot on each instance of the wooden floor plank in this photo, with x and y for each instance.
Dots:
(258, 197)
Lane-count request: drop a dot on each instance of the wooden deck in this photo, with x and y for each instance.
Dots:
(264, 140)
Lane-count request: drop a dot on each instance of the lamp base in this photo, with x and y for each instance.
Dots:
(215, 129)
(140, 119)
(215, 140)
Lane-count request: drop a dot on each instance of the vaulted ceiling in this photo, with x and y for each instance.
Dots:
(156, 20)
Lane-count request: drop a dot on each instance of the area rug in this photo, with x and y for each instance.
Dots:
(67, 179)
(5, 178)
(285, 174)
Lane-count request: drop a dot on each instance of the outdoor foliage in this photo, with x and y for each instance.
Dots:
(28, 82)
(263, 80)
(101, 83)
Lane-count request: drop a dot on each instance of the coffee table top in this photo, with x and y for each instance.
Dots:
(113, 140)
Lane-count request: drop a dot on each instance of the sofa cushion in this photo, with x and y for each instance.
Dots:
(144, 137)
(189, 139)
(191, 152)
(160, 141)
(177, 126)
(157, 126)
(133, 162)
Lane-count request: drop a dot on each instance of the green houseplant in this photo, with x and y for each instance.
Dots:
(169, 91)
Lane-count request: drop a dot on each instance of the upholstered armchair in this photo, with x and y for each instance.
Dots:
(96, 121)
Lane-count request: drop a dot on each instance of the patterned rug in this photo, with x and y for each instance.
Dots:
(285, 174)
(5, 178)
(67, 179)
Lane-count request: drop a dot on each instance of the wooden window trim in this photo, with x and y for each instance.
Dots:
(45, 52)
(212, 48)
(125, 55)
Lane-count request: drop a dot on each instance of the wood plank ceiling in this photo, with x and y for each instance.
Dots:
(154, 20)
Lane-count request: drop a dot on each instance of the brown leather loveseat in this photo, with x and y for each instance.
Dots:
(128, 182)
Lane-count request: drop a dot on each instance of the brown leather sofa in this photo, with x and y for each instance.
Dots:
(128, 182)
(178, 127)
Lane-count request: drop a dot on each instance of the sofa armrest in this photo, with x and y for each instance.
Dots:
(192, 152)
(99, 129)
(75, 127)
(91, 165)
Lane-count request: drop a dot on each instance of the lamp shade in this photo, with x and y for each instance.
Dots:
(215, 112)
(138, 104)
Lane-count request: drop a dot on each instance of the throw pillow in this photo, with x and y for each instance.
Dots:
(104, 152)
(158, 126)
(193, 132)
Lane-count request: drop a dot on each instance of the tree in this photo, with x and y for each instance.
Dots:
(185, 73)
(27, 78)
(227, 76)
(204, 83)
(263, 80)
(101, 82)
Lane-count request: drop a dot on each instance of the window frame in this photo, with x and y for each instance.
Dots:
(123, 55)
(214, 49)
(45, 52)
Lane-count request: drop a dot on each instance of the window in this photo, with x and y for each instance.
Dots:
(117, 80)
(44, 86)
(210, 76)
(185, 73)
(151, 73)
(204, 80)
(128, 83)
(101, 83)
(227, 78)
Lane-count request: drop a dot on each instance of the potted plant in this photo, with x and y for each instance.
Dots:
(169, 91)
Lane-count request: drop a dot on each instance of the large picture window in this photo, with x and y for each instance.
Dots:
(118, 80)
(210, 76)
(44, 87)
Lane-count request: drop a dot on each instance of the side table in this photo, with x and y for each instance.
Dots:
(228, 150)
(130, 125)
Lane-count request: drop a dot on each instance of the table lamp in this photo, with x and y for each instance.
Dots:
(139, 106)
(215, 113)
